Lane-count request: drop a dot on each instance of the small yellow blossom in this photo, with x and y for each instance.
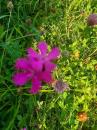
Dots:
(76, 54)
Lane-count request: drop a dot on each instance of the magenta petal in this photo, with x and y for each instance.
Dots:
(49, 66)
(36, 85)
(46, 76)
(32, 53)
(42, 47)
(22, 63)
(53, 54)
(21, 78)
(36, 65)
(34, 60)
(24, 129)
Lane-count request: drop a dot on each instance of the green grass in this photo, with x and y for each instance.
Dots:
(60, 23)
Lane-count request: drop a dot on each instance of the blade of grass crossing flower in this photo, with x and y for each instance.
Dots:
(46, 91)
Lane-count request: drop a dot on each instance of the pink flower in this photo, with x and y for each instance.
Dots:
(36, 67)
(43, 59)
(23, 129)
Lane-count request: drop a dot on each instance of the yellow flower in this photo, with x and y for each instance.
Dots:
(76, 54)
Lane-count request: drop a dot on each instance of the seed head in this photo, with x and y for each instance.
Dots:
(92, 19)
(10, 5)
(60, 86)
(28, 21)
(66, 53)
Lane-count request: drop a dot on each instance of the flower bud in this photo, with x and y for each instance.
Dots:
(10, 5)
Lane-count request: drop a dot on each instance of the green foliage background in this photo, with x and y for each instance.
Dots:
(60, 23)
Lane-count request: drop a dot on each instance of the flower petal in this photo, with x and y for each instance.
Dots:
(34, 60)
(23, 129)
(21, 78)
(42, 47)
(53, 54)
(36, 85)
(32, 53)
(46, 76)
(36, 65)
(49, 66)
(22, 63)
